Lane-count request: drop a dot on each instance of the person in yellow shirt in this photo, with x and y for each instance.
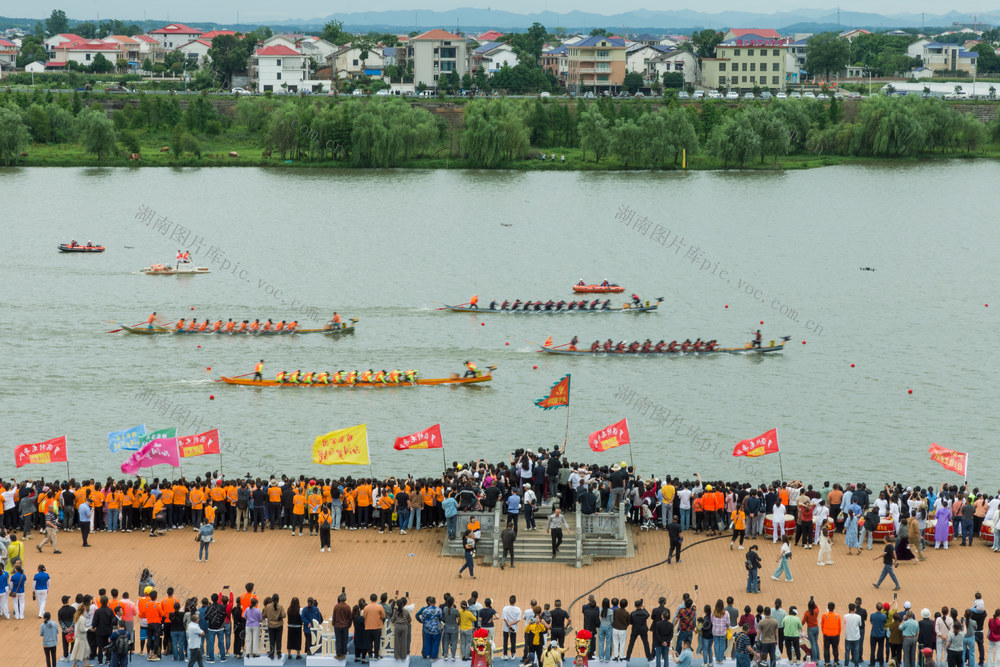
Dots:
(325, 519)
(350, 505)
(386, 501)
(739, 523)
(364, 501)
(668, 491)
(231, 497)
(298, 510)
(313, 502)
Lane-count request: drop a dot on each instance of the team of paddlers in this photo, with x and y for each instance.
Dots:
(370, 376)
(648, 346)
(246, 326)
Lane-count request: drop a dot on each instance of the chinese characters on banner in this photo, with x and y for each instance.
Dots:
(759, 446)
(429, 438)
(613, 436)
(198, 445)
(155, 452)
(950, 459)
(345, 446)
(558, 395)
(128, 439)
(50, 451)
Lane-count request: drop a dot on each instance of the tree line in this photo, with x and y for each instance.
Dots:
(498, 132)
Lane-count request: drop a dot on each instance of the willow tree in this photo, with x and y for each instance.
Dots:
(494, 131)
(594, 133)
(14, 136)
(734, 141)
(97, 133)
(387, 133)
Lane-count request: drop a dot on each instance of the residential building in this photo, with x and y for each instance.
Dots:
(940, 57)
(638, 55)
(648, 39)
(36, 67)
(196, 50)
(212, 34)
(129, 47)
(851, 35)
(556, 62)
(85, 52)
(491, 57)
(916, 49)
(278, 69)
(437, 53)
(55, 40)
(8, 55)
(755, 33)
(920, 73)
(597, 63)
(347, 62)
(747, 62)
(489, 36)
(149, 47)
(675, 60)
(174, 35)
(315, 48)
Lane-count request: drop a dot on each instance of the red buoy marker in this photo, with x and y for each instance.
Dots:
(208, 368)
(211, 397)
(535, 367)
(506, 343)
(803, 342)
(727, 305)
(199, 347)
(909, 391)
(482, 324)
(762, 321)
(852, 365)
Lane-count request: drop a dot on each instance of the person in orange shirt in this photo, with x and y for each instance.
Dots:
(324, 520)
(197, 497)
(298, 510)
(274, 503)
(364, 501)
(239, 623)
(167, 498)
(232, 495)
(158, 523)
(154, 619)
(386, 502)
(313, 503)
(147, 503)
(114, 500)
(179, 505)
(350, 505)
(97, 504)
(218, 495)
(210, 513)
(698, 513)
(708, 510)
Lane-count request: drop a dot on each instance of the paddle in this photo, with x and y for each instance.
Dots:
(117, 330)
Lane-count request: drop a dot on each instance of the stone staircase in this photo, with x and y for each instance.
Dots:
(584, 538)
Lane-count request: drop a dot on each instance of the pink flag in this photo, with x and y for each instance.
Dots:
(155, 452)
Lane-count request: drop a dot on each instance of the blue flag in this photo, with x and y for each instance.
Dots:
(130, 439)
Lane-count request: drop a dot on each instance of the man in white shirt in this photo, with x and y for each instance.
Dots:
(685, 507)
(821, 513)
(529, 617)
(511, 617)
(194, 635)
(852, 635)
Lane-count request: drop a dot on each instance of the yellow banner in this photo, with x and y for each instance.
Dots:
(346, 446)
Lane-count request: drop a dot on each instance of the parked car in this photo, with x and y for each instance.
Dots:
(795, 95)
(117, 88)
(822, 96)
(240, 91)
(732, 95)
(838, 95)
(683, 95)
(383, 93)
(589, 95)
(545, 93)
(808, 95)
(639, 94)
(749, 96)
(623, 93)
(766, 95)
(699, 95)
(357, 92)
(714, 95)
(781, 96)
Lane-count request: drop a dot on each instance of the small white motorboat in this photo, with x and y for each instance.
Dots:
(182, 269)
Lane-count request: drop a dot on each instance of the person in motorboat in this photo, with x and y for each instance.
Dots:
(72, 244)
(581, 284)
(605, 283)
(89, 244)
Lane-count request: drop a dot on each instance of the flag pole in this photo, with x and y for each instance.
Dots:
(566, 435)
(781, 468)
(444, 459)
(630, 459)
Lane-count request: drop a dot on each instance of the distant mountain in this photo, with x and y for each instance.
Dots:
(467, 18)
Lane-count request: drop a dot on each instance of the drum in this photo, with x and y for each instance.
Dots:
(929, 531)
(886, 528)
(986, 532)
(789, 525)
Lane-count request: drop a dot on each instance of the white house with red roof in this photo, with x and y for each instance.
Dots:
(129, 48)
(8, 56)
(196, 50)
(215, 33)
(489, 36)
(279, 68)
(62, 38)
(437, 53)
(84, 52)
(174, 35)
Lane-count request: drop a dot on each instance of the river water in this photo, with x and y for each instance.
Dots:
(388, 246)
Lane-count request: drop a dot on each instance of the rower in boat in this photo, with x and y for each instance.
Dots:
(493, 305)
(230, 325)
(254, 326)
(593, 304)
(291, 327)
(203, 327)
(696, 345)
(216, 326)
(756, 339)
(659, 346)
(517, 302)
(608, 344)
(672, 347)
(352, 378)
(595, 346)
(471, 370)
(606, 305)
(267, 326)
(151, 321)
(258, 370)
(295, 377)
(280, 326)
(323, 378)
(474, 302)
(620, 347)
(280, 377)
(366, 376)
(193, 324)
(180, 325)
(503, 306)
(560, 304)
(711, 345)
(571, 305)
(308, 378)
(379, 377)
(411, 376)
(636, 301)
(646, 345)
(685, 345)
(572, 344)
(334, 322)
(633, 347)
(394, 376)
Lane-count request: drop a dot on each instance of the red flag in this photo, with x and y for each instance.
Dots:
(558, 395)
(766, 443)
(198, 445)
(50, 451)
(429, 438)
(613, 436)
(950, 459)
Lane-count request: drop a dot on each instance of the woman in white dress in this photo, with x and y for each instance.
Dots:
(825, 556)
(779, 520)
(81, 649)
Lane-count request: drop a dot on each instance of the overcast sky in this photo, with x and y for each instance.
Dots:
(224, 11)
